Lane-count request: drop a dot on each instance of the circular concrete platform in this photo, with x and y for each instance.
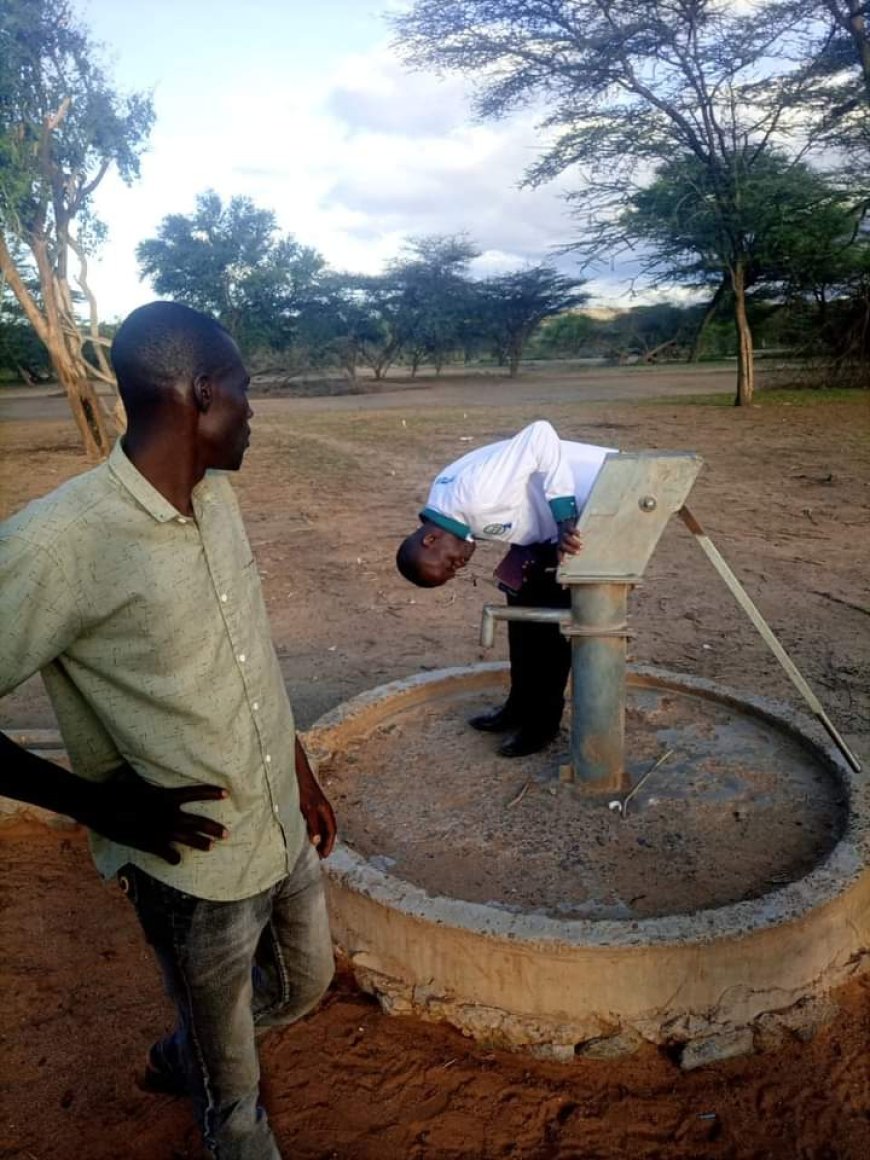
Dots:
(714, 912)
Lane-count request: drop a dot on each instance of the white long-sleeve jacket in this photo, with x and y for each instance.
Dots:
(516, 490)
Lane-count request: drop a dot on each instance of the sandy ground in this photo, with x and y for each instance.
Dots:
(328, 487)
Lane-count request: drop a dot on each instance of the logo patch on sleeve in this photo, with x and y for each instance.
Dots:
(496, 529)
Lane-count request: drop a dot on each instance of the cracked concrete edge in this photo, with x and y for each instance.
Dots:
(664, 992)
(693, 1041)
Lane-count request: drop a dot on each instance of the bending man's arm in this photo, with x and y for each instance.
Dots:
(125, 808)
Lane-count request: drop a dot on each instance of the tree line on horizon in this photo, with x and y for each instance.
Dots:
(727, 149)
(280, 300)
(291, 314)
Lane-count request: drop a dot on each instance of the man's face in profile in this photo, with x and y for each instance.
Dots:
(226, 425)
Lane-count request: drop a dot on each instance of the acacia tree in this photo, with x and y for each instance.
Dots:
(627, 85)
(433, 295)
(230, 261)
(567, 335)
(62, 126)
(515, 304)
(850, 27)
(788, 224)
(417, 306)
(339, 323)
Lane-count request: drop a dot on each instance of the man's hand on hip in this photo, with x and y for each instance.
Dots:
(129, 810)
(125, 808)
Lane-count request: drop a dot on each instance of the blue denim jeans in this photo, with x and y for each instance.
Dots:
(228, 967)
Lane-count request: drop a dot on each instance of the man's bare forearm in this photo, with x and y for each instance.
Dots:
(123, 807)
(28, 778)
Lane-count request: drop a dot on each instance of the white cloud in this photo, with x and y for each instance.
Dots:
(353, 160)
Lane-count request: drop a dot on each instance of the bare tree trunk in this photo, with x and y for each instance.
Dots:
(97, 341)
(650, 355)
(102, 370)
(745, 366)
(348, 354)
(64, 348)
(87, 410)
(88, 413)
(382, 362)
(709, 315)
(25, 375)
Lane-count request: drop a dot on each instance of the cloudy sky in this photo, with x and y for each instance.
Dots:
(306, 108)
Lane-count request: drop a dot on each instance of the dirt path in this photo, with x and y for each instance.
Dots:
(328, 487)
(538, 384)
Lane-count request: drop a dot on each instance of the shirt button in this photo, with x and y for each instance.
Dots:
(268, 758)
(182, 520)
(276, 811)
(223, 598)
(255, 706)
(241, 658)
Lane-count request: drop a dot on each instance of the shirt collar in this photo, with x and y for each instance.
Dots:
(145, 494)
(463, 531)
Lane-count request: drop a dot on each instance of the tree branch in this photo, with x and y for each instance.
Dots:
(105, 371)
(25, 298)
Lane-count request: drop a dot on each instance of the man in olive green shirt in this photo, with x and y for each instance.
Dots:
(133, 590)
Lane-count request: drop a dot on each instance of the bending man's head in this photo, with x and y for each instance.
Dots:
(431, 556)
(180, 375)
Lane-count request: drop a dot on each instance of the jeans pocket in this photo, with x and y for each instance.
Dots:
(164, 912)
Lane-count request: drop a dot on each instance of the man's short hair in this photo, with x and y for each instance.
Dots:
(163, 344)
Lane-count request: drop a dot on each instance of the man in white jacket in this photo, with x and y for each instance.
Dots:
(526, 492)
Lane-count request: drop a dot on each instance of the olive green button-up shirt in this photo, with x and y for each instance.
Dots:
(150, 632)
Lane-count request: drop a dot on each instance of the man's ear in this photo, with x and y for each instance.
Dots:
(430, 538)
(202, 393)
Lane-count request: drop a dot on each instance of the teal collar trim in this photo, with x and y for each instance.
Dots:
(455, 527)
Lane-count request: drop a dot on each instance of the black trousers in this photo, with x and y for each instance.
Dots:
(540, 655)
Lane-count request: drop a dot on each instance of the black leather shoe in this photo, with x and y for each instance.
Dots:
(495, 720)
(526, 741)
